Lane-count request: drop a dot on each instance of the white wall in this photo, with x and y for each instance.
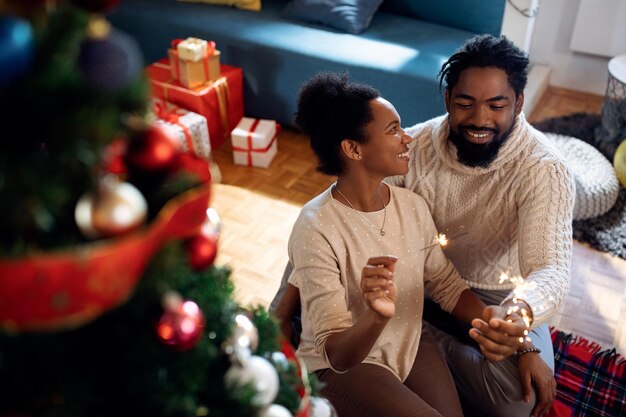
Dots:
(518, 27)
(550, 46)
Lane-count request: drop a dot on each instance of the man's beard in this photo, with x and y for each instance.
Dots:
(478, 154)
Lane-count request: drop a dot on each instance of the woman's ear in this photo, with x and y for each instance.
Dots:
(351, 149)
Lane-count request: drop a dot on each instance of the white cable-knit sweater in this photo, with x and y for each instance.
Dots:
(514, 216)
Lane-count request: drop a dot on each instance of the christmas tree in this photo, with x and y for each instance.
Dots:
(109, 300)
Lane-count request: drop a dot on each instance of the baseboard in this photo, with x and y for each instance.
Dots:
(538, 81)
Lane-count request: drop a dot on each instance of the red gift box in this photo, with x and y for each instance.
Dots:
(220, 101)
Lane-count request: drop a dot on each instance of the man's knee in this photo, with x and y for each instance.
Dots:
(502, 393)
(517, 408)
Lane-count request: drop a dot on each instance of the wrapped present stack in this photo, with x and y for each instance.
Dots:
(193, 78)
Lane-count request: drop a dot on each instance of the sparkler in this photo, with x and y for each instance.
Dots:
(521, 286)
(442, 240)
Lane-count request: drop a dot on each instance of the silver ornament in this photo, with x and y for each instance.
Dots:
(321, 407)
(275, 410)
(256, 371)
(280, 361)
(212, 226)
(245, 334)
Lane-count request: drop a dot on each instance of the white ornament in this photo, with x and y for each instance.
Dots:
(260, 373)
(276, 410)
(321, 407)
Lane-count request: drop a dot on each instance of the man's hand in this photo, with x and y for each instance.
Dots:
(533, 370)
(378, 286)
(498, 334)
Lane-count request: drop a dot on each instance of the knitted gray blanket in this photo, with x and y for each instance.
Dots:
(606, 233)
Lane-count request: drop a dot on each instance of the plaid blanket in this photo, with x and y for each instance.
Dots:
(590, 382)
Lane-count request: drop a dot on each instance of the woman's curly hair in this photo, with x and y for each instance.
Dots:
(331, 109)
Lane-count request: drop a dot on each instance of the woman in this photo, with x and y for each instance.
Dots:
(362, 254)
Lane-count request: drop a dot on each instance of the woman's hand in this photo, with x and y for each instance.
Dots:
(378, 285)
(349, 347)
(534, 371)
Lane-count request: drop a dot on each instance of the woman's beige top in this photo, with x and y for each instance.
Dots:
(328, 247)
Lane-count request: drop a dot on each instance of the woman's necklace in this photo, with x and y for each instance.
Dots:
(382, 228)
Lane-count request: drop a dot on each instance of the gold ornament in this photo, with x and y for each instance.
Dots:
(619, 162)
(116, 208)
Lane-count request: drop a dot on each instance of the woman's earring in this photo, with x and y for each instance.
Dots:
(358, 157)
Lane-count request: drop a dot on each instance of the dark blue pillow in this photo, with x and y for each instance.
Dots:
(353, 16)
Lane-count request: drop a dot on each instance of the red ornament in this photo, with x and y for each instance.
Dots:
(154, 150)
(113, 157)
(202, 248)
(181, 324)
(201, 251)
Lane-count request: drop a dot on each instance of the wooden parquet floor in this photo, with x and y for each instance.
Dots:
(259, 206)
(291, 177)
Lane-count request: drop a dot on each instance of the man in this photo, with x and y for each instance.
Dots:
(504, 199)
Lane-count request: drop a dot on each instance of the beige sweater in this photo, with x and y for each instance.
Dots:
(514, 216)
(328, 247)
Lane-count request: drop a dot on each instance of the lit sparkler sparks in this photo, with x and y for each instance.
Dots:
(442, 240)
(521, 286)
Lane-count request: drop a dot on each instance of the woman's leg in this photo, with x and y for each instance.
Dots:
(431, 379)
(368, 390)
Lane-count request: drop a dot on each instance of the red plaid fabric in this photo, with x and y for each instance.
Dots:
(590, 382)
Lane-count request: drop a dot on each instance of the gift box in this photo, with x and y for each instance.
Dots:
(190, 128)
(220, 101)
(254, 142)
(194, 62)
(193, 49)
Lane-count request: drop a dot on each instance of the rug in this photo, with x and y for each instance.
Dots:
(606, 233)
(590, 381)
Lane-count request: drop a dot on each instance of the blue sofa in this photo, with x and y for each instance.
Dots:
(400, 53)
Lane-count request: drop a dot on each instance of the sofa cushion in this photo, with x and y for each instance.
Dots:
(398, 55)
(352, 16)
(240, 4)
(485, 17)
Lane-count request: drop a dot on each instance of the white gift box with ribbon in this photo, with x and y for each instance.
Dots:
(190, 128)
(254, 142)
(192, 49)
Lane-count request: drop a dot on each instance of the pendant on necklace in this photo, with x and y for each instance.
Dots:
(382, 233)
